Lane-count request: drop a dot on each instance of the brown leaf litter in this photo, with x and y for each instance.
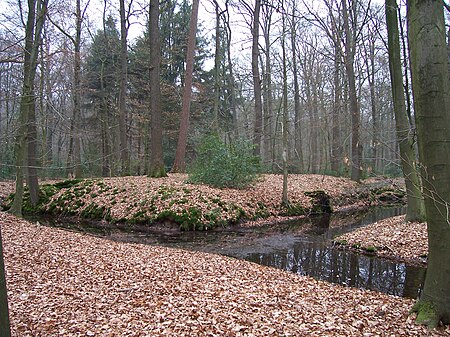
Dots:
(62, 283)
(392, 238)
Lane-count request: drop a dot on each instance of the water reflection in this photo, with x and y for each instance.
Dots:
(303, 247)
(345, 268)
(312, 254)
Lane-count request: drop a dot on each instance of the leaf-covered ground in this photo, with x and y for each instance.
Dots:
(392, 238)
(148, 201)
(62, 283)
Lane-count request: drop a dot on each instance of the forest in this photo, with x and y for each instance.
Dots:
(92, 87)
(245, 98)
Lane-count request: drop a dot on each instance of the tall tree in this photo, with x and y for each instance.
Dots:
(432, 112)
(415, 210)
(157, 168)
(267, 129)
(180, 156)
(37, 10)
(297, 107)
(123, 146)
(350, 50)
(284, 198)
(258, 128)
(74, 151)
(230, 79)
(101, 72)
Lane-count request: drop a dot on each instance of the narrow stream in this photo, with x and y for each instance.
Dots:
(303, 247)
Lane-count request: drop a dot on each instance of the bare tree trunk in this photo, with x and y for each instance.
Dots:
(180, 156)
(297, 108)
(336, 147)
(415, 210)
(356, 157)
(77, 172)
(268, 137)
(431, 88)
(123, 146)
(257, 132)
(231, 82)
(285, 199)
(216, 70)
(157, 168)
(370, 67)
(35, 22)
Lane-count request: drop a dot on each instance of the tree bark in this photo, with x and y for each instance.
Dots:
(268, 137)
(297, 108)
(284, 198)
(76, 160)
(257, 131)
(157, 168)
(35, 22)
(415, 210)
(350, 42)
(432, 111)
(336, 147)
(231, 82)
(123, 146)
(216, 69)
(180, 155)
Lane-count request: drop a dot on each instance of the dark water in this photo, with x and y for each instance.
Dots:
(303, 247)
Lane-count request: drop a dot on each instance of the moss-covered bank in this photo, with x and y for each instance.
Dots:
(143, 200)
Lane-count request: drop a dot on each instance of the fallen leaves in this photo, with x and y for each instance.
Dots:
(62, 283)
(146, 200)
(392, 238)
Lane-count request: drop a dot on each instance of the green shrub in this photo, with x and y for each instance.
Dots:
(221, 165)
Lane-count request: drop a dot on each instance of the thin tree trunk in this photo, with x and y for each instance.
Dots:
(231, 82)
(216, 70)
(356, 168)
(415, 210)
(257, 131)
(157, 168)
(123, 146)
(429, 67)
(297, 108)
(268, 136)
(336, 147)
(370, 67)
(180, 155)
(77, 172)
(285, 199)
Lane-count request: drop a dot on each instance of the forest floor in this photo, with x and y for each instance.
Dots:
(392, 238)
(172, 201)
(62, 283)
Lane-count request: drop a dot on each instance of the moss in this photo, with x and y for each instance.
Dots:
(371, 249)
(46, 192)
(94, 211)
(427, 314)
(67, 183)
(293, 210)
(166, 192)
